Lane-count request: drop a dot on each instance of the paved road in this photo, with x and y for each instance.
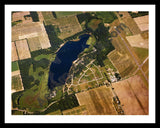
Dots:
(139, 66)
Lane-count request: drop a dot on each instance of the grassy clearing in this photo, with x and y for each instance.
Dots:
(108, 17)
(80, 110)
(58, 112)
(142, 53)
(93, 24)
(34, 98)
(66, 13)
(17, 82)
(15, 66)
(48, 17)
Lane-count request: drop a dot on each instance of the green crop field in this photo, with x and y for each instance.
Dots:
(15, 66)
(66, 13)
(142, 53)
(17, 83)
(108, 17)
(93, 24)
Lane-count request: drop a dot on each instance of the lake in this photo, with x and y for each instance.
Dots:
(64, 57)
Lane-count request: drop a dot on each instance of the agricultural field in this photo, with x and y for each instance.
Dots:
(48, 17)
(93, 24)
(133, 95)
(98, 101)
(137, 41)
(142, 22)
(58, 112)
(15, 66)
(142, 53)
(22, 49)
(32, 30)
(121, 58)
(59, 14)
(68, 26)
(130, 49)
(108, 17)
(17, 84)
(34, 44)
(110, 60)
(131, 24)
(80, 110)
(14, 52)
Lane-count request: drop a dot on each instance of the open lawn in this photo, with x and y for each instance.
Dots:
(98, 101)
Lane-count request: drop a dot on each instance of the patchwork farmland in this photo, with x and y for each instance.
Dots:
(14, 52)
(35, 34)
(137, 41)
(107, 78)
(68, 26)
(98, 101)
(126, 57)
(23, 50)
(133, 95)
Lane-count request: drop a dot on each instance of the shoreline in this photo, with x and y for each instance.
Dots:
(78, 39)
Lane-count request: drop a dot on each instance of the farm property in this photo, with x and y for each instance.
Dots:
(31, 31)
(80, 110)
(133, 95)
(98, 101)
(68, 26)
(121, 59)
(14, 52)
(137, 41)
(17, 84)
(23, 50)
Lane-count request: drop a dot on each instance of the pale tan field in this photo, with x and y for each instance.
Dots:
(137, 41)
(142, 22)
(14, 73)
(31, 30)
(23, 50)
(133, 95)
(98, 101)
(34, 44)
(14, 52)
(19, 15)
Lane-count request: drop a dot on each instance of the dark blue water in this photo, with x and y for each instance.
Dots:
(65, 56)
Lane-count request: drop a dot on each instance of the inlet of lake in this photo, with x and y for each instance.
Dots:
(64, 57)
